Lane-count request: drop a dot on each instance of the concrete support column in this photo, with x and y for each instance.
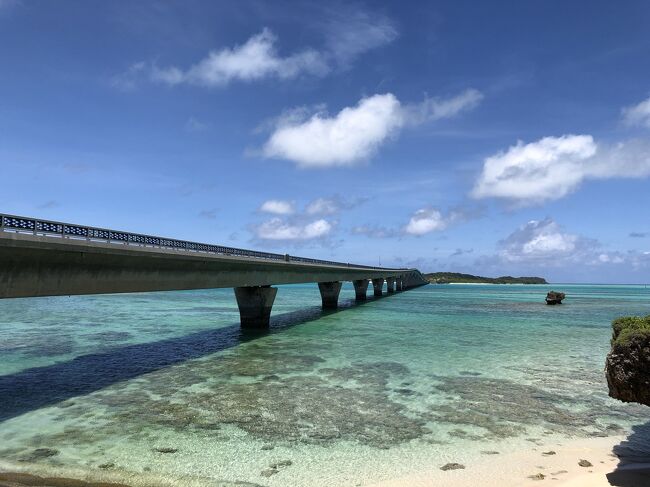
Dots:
(360, 289)
(390, 284)
(378, 284)
(255, 303)
(329, 293)
(398, 283)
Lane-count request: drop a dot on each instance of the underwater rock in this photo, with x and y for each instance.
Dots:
(267, 472)
(267, 447)
(166, 449)
(505, 408)
(281, 464)
(106, 466)
(554, 297)
(41, 453)
(452, 466)
(548, 453)
(585, 463)
(490, 452)
(627, 366)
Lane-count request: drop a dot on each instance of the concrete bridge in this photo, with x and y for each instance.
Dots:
(49, 258)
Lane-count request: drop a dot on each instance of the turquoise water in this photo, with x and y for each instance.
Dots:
(96, 386)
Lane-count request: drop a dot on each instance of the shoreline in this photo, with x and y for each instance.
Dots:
(556, 461)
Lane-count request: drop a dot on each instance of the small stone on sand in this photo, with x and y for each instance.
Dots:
(548, 453)
(585, 463)
(537, 476)
(452, 466)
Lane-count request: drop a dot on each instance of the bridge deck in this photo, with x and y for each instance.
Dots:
(45, 258)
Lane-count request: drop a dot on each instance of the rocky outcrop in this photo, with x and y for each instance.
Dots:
(628, 363)
(554, 297)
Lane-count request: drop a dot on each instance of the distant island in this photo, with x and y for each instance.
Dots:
(457, 277)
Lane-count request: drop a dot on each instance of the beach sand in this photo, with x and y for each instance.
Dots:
(538, 466)
(551, 463)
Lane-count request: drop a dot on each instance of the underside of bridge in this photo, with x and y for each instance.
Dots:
(44, 263)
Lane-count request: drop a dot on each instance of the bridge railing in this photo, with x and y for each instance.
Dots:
(20, 224)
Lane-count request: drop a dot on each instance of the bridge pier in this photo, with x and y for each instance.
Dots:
(329, 293)
(255, 303)
(378, 285)
(390, 284)
(360, 289)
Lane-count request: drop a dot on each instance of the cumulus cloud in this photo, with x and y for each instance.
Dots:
(638, 114)
(544, 247)
(425, 221)
(257, 58)
(348, 34)
(278, 229)
(543, 240)
(552, 167)
(277, 207)
(355, 133)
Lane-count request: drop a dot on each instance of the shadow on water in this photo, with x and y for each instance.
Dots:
(38, 387)
(633, 469)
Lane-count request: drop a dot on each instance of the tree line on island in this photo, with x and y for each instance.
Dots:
(457, 277)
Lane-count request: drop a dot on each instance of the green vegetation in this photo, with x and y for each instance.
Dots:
(449, 277)
(628, 328)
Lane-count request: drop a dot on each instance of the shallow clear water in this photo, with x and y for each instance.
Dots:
(427, 376)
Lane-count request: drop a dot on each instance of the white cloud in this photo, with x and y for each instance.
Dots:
(542, 240)
(278, 229)
(638, 114)
(331, 205)
(129, 79)
(352, 32)
(552, 167)
(439, 108)
(425, 221)
(546, 169)
(277, 207)
(257, 58)
(322, 206)
(355, 133)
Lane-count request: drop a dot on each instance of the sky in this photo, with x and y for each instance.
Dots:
(494, 138)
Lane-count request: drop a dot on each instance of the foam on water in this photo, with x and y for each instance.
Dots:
(377, 390)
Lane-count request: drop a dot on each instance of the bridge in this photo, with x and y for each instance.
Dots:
(50, 258)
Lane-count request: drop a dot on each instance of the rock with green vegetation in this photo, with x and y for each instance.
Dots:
(628, 363)
(457, 277)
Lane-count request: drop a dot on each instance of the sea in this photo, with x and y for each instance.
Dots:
(166, 387)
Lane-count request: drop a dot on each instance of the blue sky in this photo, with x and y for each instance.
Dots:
(485, 137)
